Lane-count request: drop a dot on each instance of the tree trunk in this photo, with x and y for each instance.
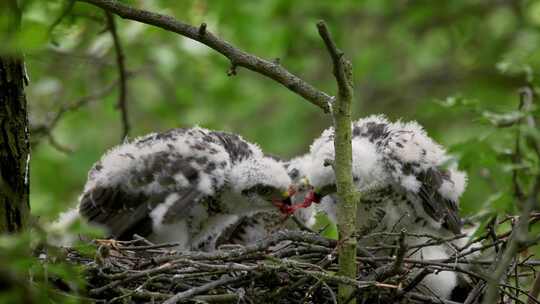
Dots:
(14, 137)
(14, 146)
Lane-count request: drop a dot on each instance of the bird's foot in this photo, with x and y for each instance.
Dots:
(111, 243)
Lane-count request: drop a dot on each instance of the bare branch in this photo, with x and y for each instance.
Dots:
(65, 11)
(342, 68)
(237, 57)
(517, 238)
(341, 113)
(122, 75)
(198, 290)
(535, 290)
(397, 266)
(45, 130)
(58, 146)
(520, 233)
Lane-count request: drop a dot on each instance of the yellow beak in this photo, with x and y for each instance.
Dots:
(285, 194)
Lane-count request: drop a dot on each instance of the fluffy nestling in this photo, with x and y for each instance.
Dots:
(406, 181)
(395, 160)
(184, 185)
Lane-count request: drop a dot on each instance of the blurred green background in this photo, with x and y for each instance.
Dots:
(450, 65)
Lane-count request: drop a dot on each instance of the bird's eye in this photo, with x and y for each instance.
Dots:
(265, 190)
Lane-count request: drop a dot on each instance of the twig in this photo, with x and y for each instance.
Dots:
(417, 279)
(518, 237)
(519, 234)
(286, 235)
(341, 65)
(142, 239)
(397, 266)
(45, 130)
(65, 11)
(151, 295)
(204, 288)
(535, 290)
(58, 146)
(236, 56)
(428, 299)
(124, 279)
(122, 95)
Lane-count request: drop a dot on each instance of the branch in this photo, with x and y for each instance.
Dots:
(535, 290)
(342, 66)
(397, 266)
(204, 288)
(517, 238)
(46, 129)
(519, 235)
(122, 75)
(343, 164)
(237, 57)
(261, 245)
(65, 11)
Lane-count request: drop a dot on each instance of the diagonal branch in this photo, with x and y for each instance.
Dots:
(122, 95)
(238, 58)
(204, 288)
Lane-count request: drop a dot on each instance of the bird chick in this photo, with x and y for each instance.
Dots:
(184, 186)
(404, 180)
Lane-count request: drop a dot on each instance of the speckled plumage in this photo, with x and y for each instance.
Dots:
(184, 185)
(407, 181)
(395, 164)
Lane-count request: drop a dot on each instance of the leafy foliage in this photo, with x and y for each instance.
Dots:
(454, 66)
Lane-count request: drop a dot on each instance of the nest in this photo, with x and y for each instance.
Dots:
(288, 267)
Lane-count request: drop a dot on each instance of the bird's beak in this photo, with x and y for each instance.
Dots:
(287, 201)
(286, 196)
(305, 182)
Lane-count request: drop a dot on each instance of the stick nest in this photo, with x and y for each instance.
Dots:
(289, 267)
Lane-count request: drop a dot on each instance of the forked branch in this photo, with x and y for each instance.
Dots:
(237, 57)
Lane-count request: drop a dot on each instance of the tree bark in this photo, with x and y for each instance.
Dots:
(14, 143)
(14, 146)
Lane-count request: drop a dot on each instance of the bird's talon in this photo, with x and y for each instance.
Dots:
(111, 243)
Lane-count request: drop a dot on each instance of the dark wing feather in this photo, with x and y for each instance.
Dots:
(124, 213)
(237, 148)
(118, 210)
(435, 205)
(124, 209)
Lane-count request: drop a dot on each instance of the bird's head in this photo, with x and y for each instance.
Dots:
(278, 197)
(261, 178)
(301, 194)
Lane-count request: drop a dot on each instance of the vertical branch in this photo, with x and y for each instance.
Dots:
(14, 134)
(520, 232)
(341, 112)
(122, 95)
